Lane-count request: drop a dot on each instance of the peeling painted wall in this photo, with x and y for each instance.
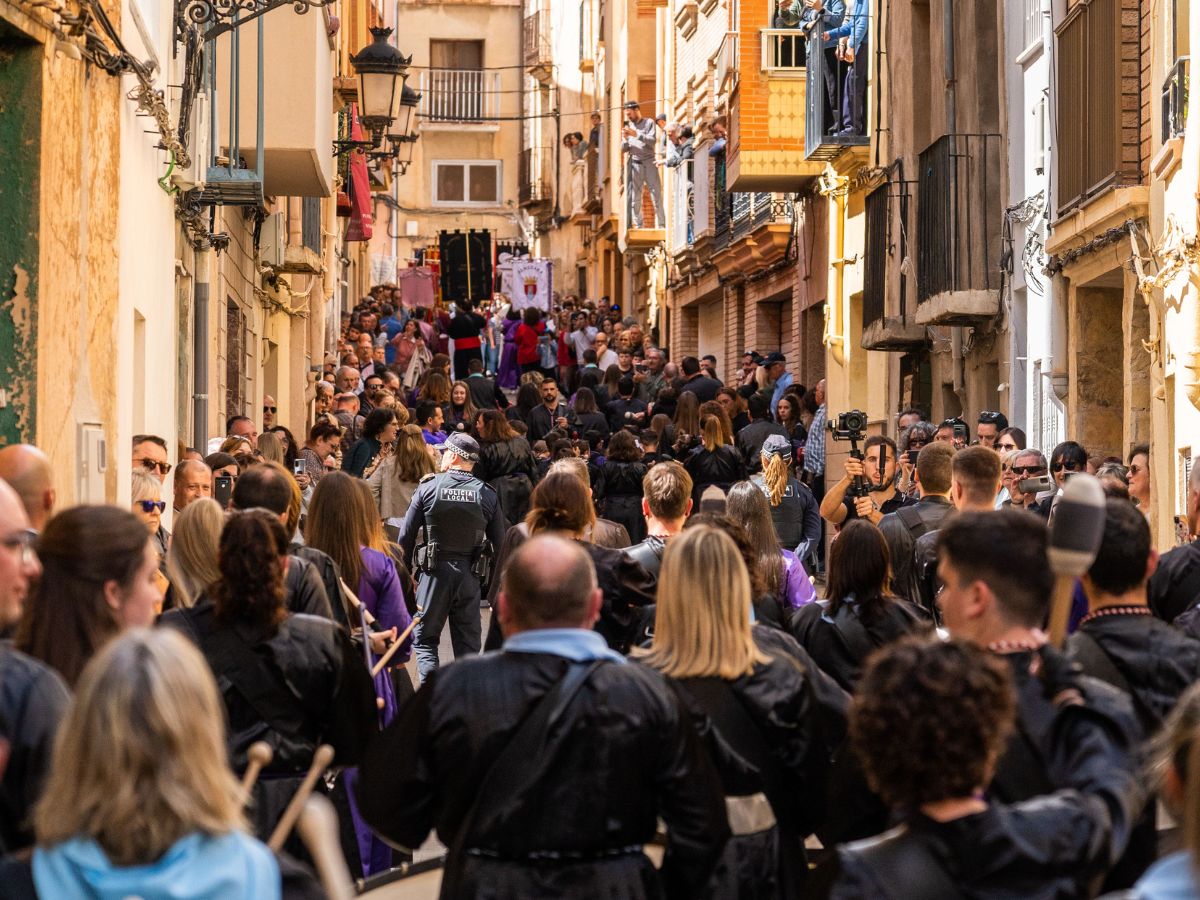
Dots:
(20, 131)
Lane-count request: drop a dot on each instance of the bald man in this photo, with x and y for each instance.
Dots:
(27, 470)
(624, 737)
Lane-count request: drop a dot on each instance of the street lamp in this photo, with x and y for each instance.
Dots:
(402, 140)
(382, 71)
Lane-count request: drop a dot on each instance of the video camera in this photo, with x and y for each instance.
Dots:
(852, 426)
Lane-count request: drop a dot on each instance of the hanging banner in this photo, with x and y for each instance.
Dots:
(531, 283)
(361, 218)
(416, 286)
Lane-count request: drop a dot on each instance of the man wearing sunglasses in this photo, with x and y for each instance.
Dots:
(150, 453)
(989, 426)
(1028, 464)
(269, 411)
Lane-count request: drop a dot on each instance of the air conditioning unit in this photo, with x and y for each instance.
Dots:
(193, 177)
(272, 238)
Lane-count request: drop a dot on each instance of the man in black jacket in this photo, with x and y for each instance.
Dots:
(529, 810)
(1175, 585)
(33, 698)
(750, 439)
(551, 414)
(485, 393)
(696, 381)
(996, 587)
(666, 504)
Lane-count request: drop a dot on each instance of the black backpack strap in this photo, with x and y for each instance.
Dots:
(516, 770)
(913, 520)
(858, 641)
(1095, 662)
(261, 686)
(901, 861)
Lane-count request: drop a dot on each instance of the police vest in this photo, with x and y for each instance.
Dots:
(788, 516)
(455, 521)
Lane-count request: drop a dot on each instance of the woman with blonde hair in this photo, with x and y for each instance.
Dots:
(140, 800)
(192, 559)
(773, 721)
(713, 408)
(795, 512)
(395, 479)
(714, 462)
(270, 448)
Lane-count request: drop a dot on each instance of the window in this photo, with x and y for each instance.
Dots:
(466, 183)
(456, 54)
(1033, 22)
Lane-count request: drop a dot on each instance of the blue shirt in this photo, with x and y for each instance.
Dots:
(854, 26)
(575, 644)
(814, 447)
(784, 382)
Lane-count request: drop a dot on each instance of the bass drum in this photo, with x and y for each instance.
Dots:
(411, 881)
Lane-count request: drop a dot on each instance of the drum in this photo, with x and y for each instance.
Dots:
(410, 881)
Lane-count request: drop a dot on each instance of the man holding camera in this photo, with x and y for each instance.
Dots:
(876, 471)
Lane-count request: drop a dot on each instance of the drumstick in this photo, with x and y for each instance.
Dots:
(1075, 535)
(317, 827)
(391, 651)
(259, 756)
(356, 602)
(321, 760)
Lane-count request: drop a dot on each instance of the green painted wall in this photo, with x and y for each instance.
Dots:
(20, 152)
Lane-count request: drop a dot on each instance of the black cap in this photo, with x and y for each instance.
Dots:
(772, 358)
(633, 104)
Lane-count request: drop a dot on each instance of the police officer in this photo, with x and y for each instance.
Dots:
(463, 524)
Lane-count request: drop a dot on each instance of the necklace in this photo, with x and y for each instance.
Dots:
(1026, 645)
(1116, 611)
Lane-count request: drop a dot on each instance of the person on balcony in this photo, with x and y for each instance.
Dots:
(851, 36)
(577, 145)
(637, 142)
(680, 149)
(821, 17)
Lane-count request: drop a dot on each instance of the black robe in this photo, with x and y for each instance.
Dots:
(619, 495)
(627, 756)
(800, 715)
(1049, 847)
(315, 689)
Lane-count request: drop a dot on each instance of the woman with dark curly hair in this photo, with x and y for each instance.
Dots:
(294, 681)
(861, 614)
(929, 722)
(379, 431)
(619, 485)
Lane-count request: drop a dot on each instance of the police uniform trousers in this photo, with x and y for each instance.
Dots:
(449, 591)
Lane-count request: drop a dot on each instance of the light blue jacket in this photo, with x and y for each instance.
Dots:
(855, 25)
(1171, 878)
(231, 866)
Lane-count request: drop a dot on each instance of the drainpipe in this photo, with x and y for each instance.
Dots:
(836, 315)
(957, 363)
(203, 259)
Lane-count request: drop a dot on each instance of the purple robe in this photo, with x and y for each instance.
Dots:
(510, 372)
(797, 589)
(380, 592)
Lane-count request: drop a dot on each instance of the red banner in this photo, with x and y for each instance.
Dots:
(361, 219)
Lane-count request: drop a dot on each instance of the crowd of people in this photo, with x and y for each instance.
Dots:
(671, 656)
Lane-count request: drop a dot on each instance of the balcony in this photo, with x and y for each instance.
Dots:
(958, 230)
(752, 231)
(296, 75)
(825, 138)
(682, 197)
(767, 149)
(453, 97)
(539, 56)
(587, 37)
(1098, 76)
(879, 330)
(536, 187)
(1175, 100)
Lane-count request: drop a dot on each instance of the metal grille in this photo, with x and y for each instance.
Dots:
(1033, 22)
(875, 261)
(310, 223)
(537, 40)
(783, 50)
(235, 358)
(958, 215)
(535, 175)
(459, 95)
(722, 212)
(821, 117)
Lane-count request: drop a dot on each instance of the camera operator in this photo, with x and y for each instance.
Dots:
(840, 505)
